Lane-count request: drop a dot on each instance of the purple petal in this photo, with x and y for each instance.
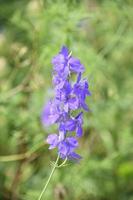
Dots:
(70, 125)
(84, 106)
(72, 142)
(64, 51)
(74, 156)
(63, 148)
(49, 114)
(58, 62)
(61, 136)
(67, 88)
(52, 139)
(75, 65)
(79, 131)
(66, 108)
(79, 77)
(73, 103)
(58, 81)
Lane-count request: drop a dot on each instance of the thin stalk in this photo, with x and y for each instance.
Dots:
(50, 176)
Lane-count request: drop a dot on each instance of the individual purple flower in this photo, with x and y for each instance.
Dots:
(52, 139)
(75, 124)
(81, 90)
(68, 98)
(60, 63)
(58, 82)
(65, 146)
(50, 113)
(75, 65)
(64, 63)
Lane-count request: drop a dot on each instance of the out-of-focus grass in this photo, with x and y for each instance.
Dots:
(100, 34)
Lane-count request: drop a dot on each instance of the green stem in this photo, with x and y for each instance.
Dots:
(50, 176)
(63, 163)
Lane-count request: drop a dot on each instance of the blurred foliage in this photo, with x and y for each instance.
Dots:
(99, 32)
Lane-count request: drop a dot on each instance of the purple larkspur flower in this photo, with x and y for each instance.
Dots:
(81, 90)
(64, 63)
(68, 98)
(75, 124)
(65, 147)
(52, 139)
(50, 114)
(60, 63)
(75, 65)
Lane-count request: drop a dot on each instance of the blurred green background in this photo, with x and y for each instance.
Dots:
(100, 33)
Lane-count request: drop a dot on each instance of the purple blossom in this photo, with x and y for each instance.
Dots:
(75, 124)
(75, 65)
(68, 97)
(50, 113)
(52, 139)
(64, 63)
(65, 147)
(81, 90)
